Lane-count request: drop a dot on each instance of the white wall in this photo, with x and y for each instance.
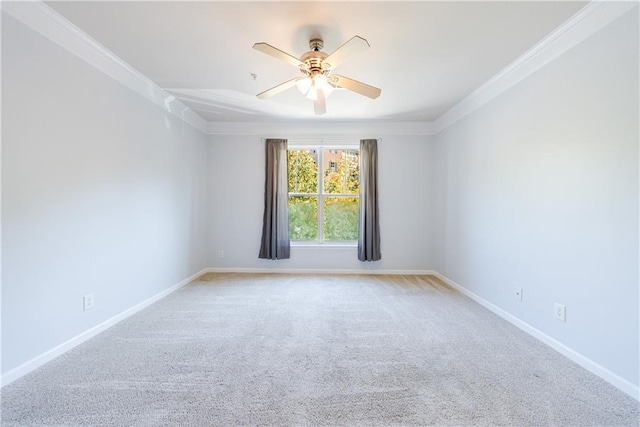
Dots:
(101, 192)
(539, 189)
(105, 192)
(405, 189)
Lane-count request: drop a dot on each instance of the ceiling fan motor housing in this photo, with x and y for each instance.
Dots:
(314, 59)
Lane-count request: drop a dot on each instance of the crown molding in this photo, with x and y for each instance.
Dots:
(587, 21)
(46, 21)
(321, 128)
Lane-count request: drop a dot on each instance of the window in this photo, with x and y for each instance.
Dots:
(324, 187)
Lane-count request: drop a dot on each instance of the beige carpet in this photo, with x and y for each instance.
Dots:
(240, 349)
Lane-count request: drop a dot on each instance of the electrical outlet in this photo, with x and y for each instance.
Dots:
(87, 302)
(518, 294)
(220, 254)
(560, 312)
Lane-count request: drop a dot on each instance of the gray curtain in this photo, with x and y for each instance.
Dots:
(275, 222)
(369, 226)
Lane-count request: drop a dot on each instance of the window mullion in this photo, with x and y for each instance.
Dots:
(320, 152)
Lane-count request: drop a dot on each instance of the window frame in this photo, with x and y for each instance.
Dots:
(320, 149)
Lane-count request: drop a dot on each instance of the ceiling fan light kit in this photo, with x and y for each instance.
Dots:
(317, 67)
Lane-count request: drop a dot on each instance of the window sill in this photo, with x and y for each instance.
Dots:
(331, 245)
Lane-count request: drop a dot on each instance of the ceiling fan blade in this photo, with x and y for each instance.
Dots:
(277, 53)
(277, 89)
(355, 86)
(350, 48)
(319, 105)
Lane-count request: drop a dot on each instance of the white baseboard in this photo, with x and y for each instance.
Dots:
(624, 385)
(49, 355)
(615, 380)
(316, 271)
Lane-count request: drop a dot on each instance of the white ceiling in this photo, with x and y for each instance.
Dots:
(425, 56)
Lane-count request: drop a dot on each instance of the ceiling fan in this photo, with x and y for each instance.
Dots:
(317, 67)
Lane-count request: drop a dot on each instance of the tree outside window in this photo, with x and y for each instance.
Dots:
(323, 206)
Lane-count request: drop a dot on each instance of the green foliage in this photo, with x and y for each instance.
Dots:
(341, 177)
(346, 177)
(302, 169)
(303, 218)
(341, 218)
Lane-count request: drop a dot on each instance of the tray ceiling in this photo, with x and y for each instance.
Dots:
(426, 56)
